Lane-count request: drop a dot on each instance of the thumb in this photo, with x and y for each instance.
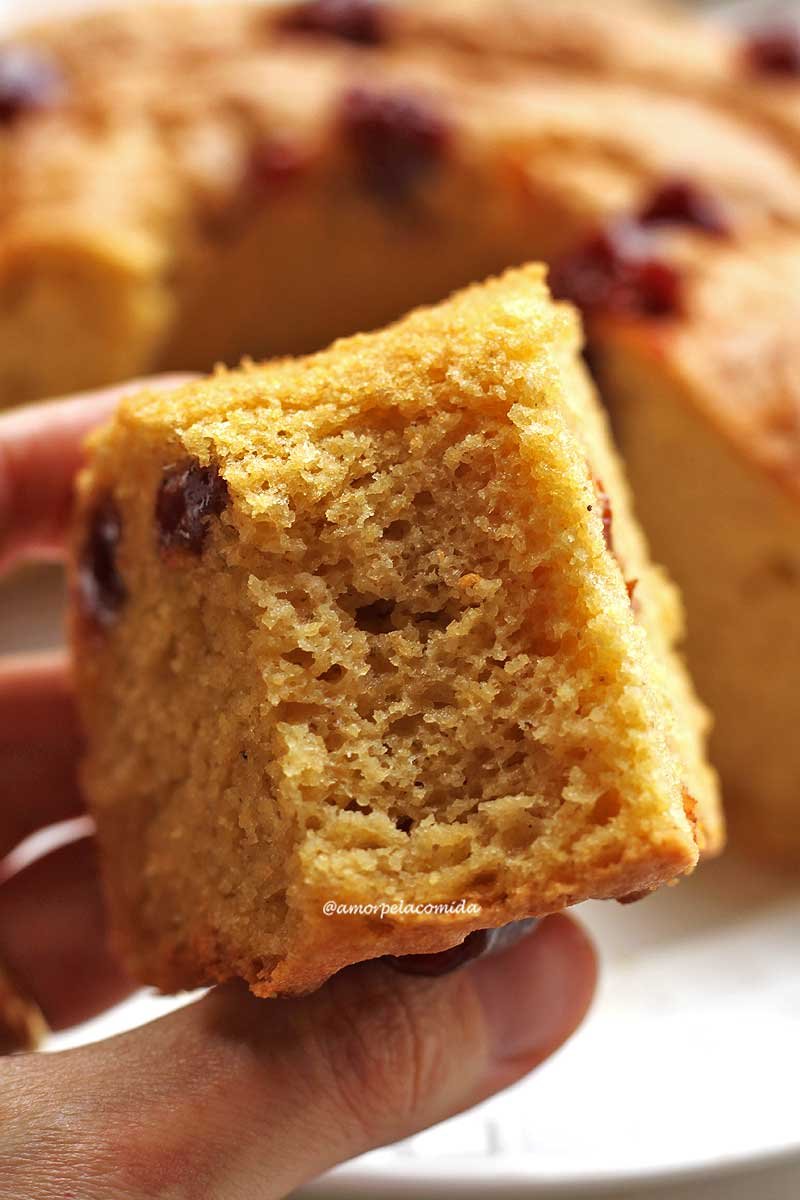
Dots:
(235, 1097)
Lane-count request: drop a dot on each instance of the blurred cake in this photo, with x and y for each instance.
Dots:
(296, 188)
(707, 407)
(376, 627)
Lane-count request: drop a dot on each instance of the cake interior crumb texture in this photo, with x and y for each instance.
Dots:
(358, 628)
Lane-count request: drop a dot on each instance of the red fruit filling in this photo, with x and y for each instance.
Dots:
(616, 271)
(273, 165)
(101, 590)
(359, 21)
(680, 202)
(773, 51)
(606, 515)
(399, 139)
(189, 496)
(29, 82)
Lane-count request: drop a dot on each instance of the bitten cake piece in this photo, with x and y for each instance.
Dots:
(371, 628)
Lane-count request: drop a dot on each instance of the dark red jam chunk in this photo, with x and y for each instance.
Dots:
(273, 166)
(189, 496)
(29, 81)
(359, 21)
(773, 51)
(631, 586)
(101, 590)
(606, 515)
(616, 271)
(680, 202)
(269, 172)
(399, 139)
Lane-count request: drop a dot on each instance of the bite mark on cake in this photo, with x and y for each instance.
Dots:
(188, 497)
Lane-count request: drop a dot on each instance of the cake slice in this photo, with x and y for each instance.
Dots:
(375, 630)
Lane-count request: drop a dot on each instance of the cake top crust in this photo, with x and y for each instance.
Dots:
(248, 87)
(468, 346)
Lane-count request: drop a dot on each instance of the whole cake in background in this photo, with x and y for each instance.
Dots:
(376, 627)
(314, 176)
(326, 165)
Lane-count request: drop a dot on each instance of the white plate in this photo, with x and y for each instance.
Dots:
(688, 1067)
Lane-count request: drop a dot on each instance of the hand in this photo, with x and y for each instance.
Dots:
(231, 1097)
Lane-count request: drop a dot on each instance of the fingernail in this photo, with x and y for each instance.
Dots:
(536, 992)
(475, 945)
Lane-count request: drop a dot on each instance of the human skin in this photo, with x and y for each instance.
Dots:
(230, 1097)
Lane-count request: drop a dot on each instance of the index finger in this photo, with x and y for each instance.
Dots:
(41, 449)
